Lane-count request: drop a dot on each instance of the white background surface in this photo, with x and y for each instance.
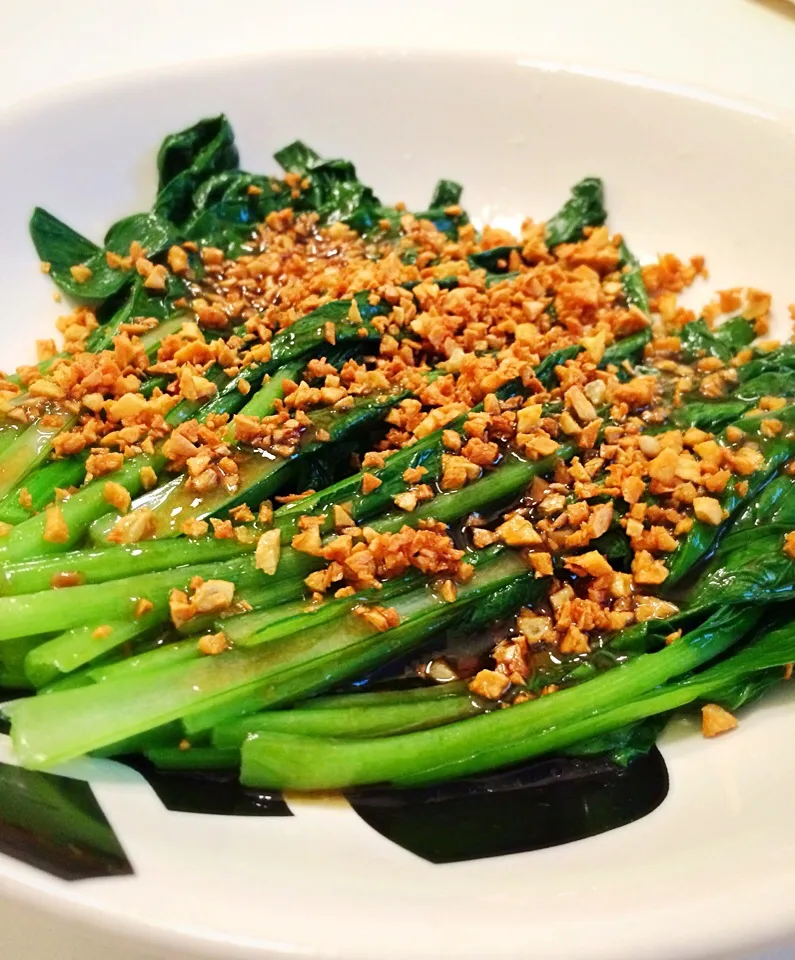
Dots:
(741, 48)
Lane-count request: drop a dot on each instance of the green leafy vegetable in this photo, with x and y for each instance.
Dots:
(186, 159)
(585, 208)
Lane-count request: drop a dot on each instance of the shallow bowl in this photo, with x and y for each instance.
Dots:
(711, 871)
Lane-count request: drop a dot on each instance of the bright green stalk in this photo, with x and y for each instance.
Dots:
(27, 540)
(772, 650)
(116, 562)
(274, 622)
(481, 743)
(36, 443)
(775, 451)
(307, 336)
(506, 481)
(632, 279)
(141, 703)
(353, 722)
(9, 431)
(79, 646)
(29, 450)
(69, 681)
(263, 403)
(269, 592)
(179, 651)
(41, 485)
(550, 739)
(427, 453)
(51, 729)
(261, 473)
(12, 660)
(377, 698)
(116, 600)
(195, 758)
(88, 504)
(498, 597)
(150, 340)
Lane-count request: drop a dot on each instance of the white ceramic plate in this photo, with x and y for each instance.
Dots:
(712, 871)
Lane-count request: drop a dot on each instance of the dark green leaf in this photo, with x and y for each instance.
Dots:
(736, 332)
(711, 415)
(746, 690)
(492, 278)
(63, 248)
(57, 243)
(699, 341)
(626, 744)
(753, 570)
(770, 647)
(188, 158)
(490, 259)
(444, 222)
(340, 199)
(545, 371)
(632, 279)
(782, 358)
(296, 157)
(775, 504)
(447, 193)
(334, 192)
(180, 152)
(214, 189)
(368, 220)
(154, 233)
(703, 536)
(616, 547)
(499, 604)
(161, 305)
(626, 349)
(584, 208)
(745, 570)
(225, 212)
(772, 383)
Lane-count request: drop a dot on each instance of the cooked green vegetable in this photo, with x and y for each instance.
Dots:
(585, 208)
(472, 456)
(496, 739)
(355, 722)
(93, 717)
